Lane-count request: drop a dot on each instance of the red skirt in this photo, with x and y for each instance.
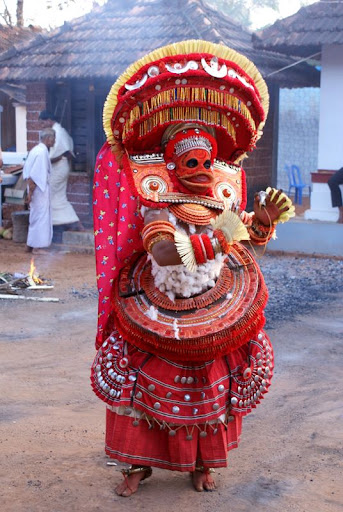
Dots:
(154, 446)
(176, 416)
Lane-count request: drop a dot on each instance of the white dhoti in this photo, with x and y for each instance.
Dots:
(62, 210)
(38, 168)
(40, 222)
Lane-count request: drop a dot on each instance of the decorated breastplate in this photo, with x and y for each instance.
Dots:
(199, 328)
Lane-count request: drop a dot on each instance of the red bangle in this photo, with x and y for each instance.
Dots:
(200, 256)
(225, 246)
(208, 246)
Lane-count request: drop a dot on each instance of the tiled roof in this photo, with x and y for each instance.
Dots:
(10, 36)
(107, 40)
(305, 32)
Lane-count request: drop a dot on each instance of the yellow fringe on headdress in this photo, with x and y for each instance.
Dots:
(183, 48)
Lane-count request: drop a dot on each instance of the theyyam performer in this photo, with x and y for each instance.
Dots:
(182, 355)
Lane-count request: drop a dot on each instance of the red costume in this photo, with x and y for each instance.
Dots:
(182, 355)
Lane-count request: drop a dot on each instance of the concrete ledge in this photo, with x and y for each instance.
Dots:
(84, 238)
(309, 237)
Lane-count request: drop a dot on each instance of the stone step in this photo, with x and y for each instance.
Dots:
(78, 238)
(67, 248)
(309, 237)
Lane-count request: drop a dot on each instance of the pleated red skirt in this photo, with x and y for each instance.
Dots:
(187, 448)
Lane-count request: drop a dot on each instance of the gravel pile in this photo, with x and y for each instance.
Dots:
(298, 285)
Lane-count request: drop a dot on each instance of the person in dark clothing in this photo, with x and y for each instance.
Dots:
(336, 195)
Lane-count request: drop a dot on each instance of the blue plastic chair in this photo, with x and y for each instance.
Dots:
(296, 182)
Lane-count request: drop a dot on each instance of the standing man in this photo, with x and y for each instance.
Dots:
(61, 155)
(336, 195)
(37, 170)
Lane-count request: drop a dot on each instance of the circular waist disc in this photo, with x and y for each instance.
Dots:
(198, 328)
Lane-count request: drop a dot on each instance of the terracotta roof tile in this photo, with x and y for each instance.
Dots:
(305, 32)
(104, 42)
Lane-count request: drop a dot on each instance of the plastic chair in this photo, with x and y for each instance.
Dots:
(296, 182)
(300, 185)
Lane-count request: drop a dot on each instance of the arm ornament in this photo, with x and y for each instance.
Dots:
(259, 233)
(194, 250)
(202, 248)
(197, 249)
(228, 229)
(157, 231)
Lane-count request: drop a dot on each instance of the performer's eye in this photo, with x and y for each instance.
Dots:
(207, 164)
(193, 162)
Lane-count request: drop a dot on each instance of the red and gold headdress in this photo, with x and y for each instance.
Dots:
(188, 82)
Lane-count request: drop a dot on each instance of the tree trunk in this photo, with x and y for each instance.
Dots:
(20, 13)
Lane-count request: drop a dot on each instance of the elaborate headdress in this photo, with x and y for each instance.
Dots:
(191, 81)
(190, 85)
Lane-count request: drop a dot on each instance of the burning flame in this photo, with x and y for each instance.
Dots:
(33, 274)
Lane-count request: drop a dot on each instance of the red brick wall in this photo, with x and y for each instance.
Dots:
(79, 194)
(36, 101)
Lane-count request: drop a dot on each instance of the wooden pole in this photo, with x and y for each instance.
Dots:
(22, 297)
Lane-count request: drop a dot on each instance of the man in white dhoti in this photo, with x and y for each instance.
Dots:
(37, 170)
(60, 155)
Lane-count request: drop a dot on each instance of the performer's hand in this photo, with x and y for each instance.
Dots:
(272, 209)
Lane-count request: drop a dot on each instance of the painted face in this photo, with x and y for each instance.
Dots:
(194, 170)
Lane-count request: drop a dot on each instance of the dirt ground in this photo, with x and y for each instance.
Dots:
(52, 425)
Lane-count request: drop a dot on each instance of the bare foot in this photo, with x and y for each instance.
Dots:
(131, 482)
(203, 481)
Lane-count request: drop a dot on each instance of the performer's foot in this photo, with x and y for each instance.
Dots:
(202, 479)
(340, 217)
(132, 477)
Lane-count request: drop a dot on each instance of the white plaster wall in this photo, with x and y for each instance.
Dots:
(20, 127)
(330, 149)
(298, 133)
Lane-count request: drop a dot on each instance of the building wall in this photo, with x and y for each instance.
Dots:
(260, 166)
(36, 101)
(330, 153)
(7, 123)
(298, 133)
